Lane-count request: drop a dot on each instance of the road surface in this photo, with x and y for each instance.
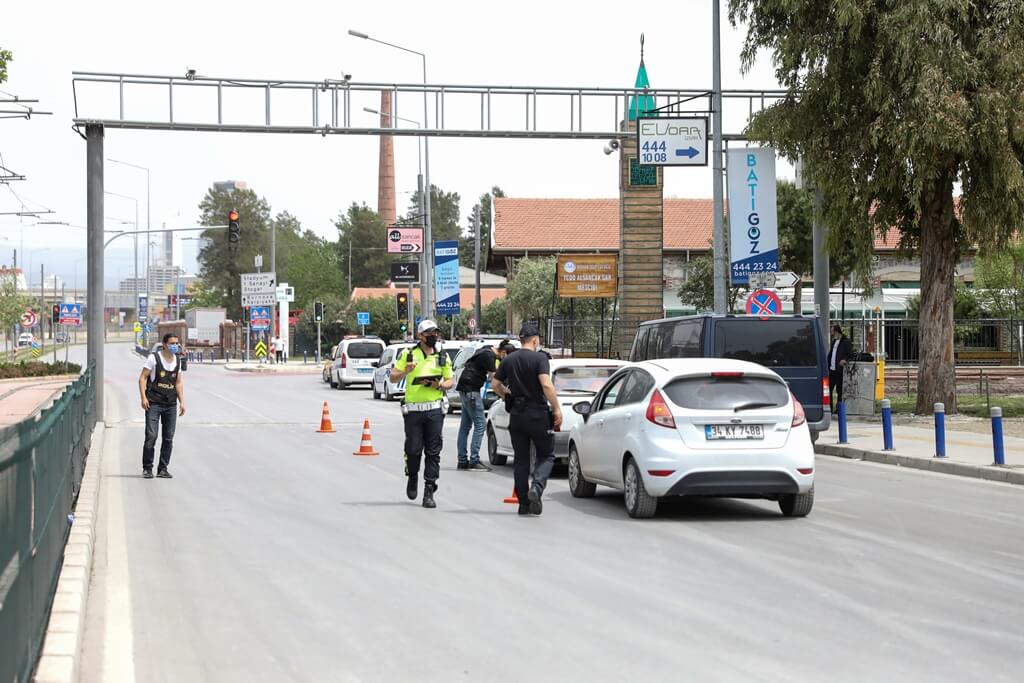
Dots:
(276, 555)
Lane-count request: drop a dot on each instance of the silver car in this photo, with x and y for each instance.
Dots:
(575, 380)
(383, 387)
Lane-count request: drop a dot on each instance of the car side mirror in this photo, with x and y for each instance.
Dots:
(376, 364)
(582, 408)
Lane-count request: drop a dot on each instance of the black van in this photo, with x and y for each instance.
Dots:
(791, 345)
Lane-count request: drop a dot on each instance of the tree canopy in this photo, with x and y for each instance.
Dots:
(5, 58)
(891, 105)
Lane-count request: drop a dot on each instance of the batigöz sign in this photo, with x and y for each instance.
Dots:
(753, 223)
(672, 141)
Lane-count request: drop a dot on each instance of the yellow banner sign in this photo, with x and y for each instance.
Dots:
(593, 276)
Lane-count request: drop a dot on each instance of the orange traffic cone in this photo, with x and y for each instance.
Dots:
(514, 499)
(325, 421)
(366, 443)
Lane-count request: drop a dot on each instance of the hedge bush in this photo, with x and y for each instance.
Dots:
(37, 369)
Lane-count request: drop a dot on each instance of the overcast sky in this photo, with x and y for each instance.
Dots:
(524, 43)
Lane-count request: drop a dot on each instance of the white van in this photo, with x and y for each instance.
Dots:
(353, 361)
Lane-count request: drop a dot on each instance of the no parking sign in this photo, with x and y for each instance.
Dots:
(764, 303)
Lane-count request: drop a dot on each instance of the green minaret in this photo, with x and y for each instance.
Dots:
(641, 227)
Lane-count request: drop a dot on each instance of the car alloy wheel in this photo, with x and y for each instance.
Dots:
(492, 448)
(639, 503)
(579, 487)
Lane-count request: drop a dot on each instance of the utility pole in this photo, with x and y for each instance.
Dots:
(273, 269)
(94, 250)
(42, 311)
(476, 265)
(822, 301)
(424, 274)
(721, 259)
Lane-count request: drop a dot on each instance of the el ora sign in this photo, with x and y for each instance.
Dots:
(672, 141)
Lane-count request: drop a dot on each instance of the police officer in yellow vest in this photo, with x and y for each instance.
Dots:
(428, 375)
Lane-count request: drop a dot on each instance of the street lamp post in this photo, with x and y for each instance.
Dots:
(148, 213)
(427, 276)
(135, 281)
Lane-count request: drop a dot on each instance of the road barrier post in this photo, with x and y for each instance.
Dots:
(940, 430)
(886, 425)
(842, 423)
(997, 435)
(305, 360)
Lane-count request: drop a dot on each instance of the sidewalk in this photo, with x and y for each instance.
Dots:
(21, 398)
(968, 454)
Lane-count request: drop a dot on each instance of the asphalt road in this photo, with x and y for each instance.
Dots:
(276, 555)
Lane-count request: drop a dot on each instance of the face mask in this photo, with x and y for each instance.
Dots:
(174, 348)
(431, 341)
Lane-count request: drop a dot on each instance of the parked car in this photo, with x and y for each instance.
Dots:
(62, 337)
(465, 353)
(574, 379)
(328, 362)
(790, 345)
(25, 339)
(694, 427)
(383, 387)
(353, 361)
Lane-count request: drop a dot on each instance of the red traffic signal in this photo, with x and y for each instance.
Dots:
(232, 215)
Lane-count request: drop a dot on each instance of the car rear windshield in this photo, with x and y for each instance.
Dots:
(772, 343)
(583, 379)
(364, 350)
(727, 393)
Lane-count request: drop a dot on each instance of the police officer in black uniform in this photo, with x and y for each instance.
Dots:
(524, 380)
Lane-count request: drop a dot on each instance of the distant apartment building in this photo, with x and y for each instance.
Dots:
(229, 185)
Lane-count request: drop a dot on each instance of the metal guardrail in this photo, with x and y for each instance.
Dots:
(42, 460)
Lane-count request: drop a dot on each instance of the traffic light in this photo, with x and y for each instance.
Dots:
(318, 311)
(233, 231)
(55, 313)
(402, 310)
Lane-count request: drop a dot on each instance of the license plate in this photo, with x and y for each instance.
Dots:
(724, 432)
(365, 371)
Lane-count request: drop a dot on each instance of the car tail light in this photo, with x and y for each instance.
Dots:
(798, 413)
(825, 398)
(344, 360)
(727, 374)
(661, 473)
(658, 411)
(805, 470)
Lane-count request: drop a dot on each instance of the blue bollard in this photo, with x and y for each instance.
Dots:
(886, 425)
(997, 435)
(305, 361)
(940, 430)
(842, 423)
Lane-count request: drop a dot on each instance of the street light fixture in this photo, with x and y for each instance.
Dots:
(426, 290)
(148, 228)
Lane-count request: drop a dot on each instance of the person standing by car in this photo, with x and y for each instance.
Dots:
(474, 375)
(428, 375)
(162, 396)
(524, 380)
(837, 359)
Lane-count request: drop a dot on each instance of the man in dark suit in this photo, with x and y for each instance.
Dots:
(838, 356)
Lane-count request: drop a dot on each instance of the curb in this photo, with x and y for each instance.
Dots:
(944, 466)
(61, 654)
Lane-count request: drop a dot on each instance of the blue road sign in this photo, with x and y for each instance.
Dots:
(71, 314)
(259, 318)
(363, 318)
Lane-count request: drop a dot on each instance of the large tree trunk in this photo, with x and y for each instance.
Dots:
(936, 372)
(798, 297)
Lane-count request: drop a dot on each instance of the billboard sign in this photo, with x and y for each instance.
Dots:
(405, 240)
(593, 276)
(753, 223)
(446, 277)
(665, 141)
(405, 271)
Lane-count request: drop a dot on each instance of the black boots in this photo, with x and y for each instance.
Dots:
(428, 494)
(411, 489)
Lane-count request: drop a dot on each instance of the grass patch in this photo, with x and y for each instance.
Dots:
(977, 406)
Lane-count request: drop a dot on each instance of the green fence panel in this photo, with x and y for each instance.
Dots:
(42, 460)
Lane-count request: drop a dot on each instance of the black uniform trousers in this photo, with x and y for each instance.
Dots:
(835, 383)
(529, 426)
(423, 441)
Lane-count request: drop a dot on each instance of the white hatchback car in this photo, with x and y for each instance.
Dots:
(694, 427)
(574, 379)
(383, 387)
(353, 361)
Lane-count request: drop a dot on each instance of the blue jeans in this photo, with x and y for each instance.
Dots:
(165, 417)
(472, 418)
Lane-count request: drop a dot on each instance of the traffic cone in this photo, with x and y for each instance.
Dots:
(513, 499)
(366, 443)
(325, 421)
